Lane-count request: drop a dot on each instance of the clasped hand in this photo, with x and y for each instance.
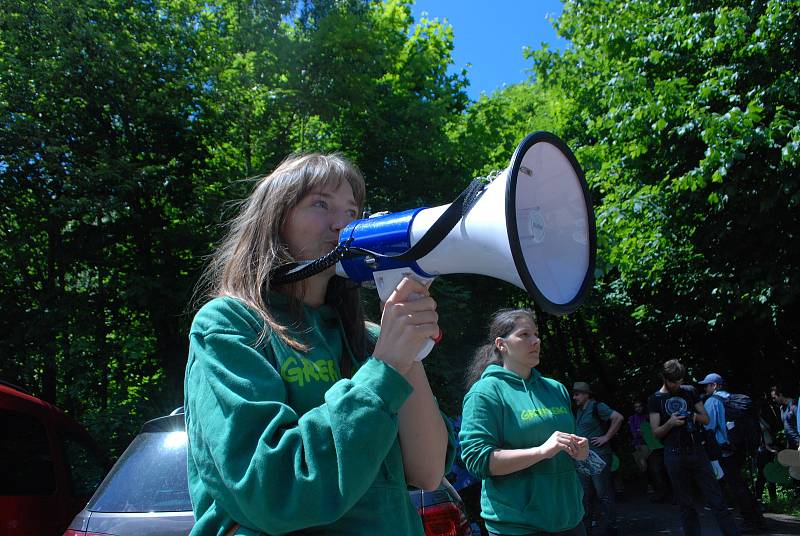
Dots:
(409, 319)
(575, 446)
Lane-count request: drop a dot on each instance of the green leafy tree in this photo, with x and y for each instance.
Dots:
(685, 115)
(99, 143)
(128, 128)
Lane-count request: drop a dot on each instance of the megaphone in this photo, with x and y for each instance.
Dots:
(532, 226)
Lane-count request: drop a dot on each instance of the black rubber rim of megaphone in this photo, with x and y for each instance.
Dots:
(511, 224)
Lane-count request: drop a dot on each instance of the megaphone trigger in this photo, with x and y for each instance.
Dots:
(439, 337)
(429, 344)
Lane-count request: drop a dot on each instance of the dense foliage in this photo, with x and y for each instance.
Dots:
(128, 127)
(686, 116)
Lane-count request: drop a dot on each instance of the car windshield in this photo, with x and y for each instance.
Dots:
(149, 477)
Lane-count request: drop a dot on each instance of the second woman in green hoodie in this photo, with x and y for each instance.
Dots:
(517, 435)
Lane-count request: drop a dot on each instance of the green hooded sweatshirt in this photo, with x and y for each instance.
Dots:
(278, 442)
(503, 411)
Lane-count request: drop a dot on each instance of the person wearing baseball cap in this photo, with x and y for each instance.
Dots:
(711, 379)
(731, 459)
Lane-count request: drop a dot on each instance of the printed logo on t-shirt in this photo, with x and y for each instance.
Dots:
(302, 371)
(528, 414)
(675, 404)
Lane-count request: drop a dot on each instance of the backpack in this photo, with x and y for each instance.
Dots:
(746, 431)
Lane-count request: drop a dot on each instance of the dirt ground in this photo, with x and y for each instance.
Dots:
(637, 516)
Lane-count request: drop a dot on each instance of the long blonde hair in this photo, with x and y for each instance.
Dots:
(253, 247)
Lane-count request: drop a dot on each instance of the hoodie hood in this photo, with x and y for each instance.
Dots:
(496, 371)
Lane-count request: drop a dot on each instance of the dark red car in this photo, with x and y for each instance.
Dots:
(49, 465)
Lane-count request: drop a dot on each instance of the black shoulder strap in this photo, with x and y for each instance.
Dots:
(443, 225)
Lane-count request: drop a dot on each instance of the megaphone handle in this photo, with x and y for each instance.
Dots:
(387, 280)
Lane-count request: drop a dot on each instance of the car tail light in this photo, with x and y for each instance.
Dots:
(444, 519)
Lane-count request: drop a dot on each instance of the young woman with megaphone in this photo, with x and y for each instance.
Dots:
(531, 225)
(517, 435)
(292, 424)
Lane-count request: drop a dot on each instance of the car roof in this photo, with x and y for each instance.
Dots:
(174, 422)
(14, 391)
(15, 398)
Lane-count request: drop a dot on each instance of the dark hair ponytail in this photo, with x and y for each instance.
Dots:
(502, 324)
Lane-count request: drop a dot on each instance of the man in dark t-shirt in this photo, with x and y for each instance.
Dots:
(684, 402)
(676, 412)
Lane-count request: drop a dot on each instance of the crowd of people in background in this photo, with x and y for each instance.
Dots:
(692, 447)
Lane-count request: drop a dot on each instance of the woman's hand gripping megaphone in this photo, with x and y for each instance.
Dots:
(409, 322)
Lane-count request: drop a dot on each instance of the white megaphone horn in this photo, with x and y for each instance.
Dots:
(532, 226)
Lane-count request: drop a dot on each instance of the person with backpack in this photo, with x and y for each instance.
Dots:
(734, 421)
(599, 423)
(675, 414)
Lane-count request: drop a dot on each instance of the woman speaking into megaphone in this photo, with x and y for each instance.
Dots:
(291, 424)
